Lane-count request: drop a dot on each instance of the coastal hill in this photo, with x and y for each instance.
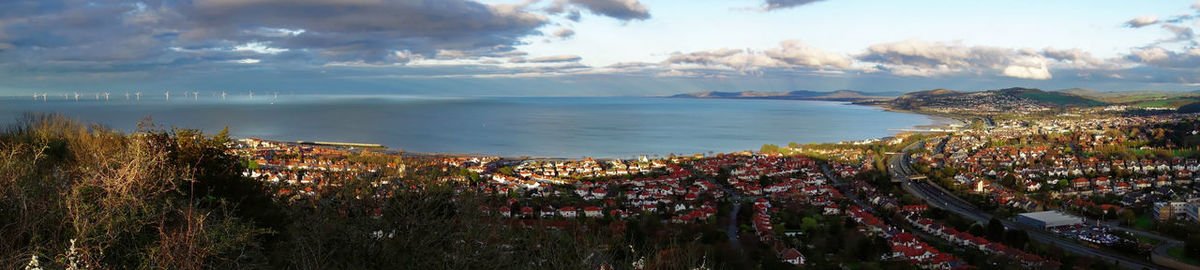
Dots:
(1016, 99)
(840, 95)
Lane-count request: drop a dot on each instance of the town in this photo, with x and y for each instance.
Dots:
(1107, 191)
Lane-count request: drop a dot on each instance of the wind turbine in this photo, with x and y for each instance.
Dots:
(126, 95)
(222, 95)
(76, 96)
(44, 94)
(105, 96)
(168, 94)
(251, 94)
(139, 95)
(195, 95)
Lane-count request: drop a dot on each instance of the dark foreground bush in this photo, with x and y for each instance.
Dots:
(79, 196)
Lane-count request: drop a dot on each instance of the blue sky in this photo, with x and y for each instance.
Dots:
(593, 47)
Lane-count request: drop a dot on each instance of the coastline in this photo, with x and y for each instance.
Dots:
(940, 120)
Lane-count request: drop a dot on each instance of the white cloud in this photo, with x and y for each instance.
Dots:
(909, 56)
(927, 59)
(790, 53)
(1151, 55)
(1141, 21)
(564, 33)
(797, 53)
(556, 59)
(1028, 67)
(258, 47)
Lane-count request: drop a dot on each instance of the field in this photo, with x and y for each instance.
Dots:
(1177, 253)
(1060, 99)
(1166, 103)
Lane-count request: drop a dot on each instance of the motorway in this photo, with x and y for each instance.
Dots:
(941, 198)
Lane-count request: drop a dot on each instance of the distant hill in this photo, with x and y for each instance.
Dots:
(840, 95)
(1083, 92)
(1141, 99)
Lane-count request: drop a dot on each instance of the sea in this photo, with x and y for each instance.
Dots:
(549, 127)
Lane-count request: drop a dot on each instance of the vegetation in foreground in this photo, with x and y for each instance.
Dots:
(75, 196)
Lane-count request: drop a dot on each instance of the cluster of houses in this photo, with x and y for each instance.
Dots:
(766, 233)
(1059, 169)
(528, 212)
(669, 194)
(559, 170)
(476, 164)
(967, 240)
(904, 246)
(984, 102)
(307, 169)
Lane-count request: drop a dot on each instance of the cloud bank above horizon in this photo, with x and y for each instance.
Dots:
(593, 47)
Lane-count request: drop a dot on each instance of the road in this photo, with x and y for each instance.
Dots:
(941, 198)
(849, 192)
(732, 230)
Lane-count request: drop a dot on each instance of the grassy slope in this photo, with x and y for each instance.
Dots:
(1060, 99)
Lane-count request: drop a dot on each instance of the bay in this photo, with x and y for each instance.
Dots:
(565, 127)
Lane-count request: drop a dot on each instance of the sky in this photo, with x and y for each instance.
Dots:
(594, 47)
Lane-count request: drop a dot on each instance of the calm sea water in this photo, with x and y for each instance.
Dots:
(616, 127)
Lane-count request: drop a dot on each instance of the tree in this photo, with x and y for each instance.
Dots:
(808, 223)
(1128, 217)
(769, 148)
(1010, 181)
(866, 250)
(1016, 238)
(976, 230)
(1191, 247)
(995, 230)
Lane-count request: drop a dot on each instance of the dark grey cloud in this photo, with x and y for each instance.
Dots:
(783, 4)
(1075, 57)
(1178, 33)
(87, 34)
(565, 58)
(624, 10)
(365, 30)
